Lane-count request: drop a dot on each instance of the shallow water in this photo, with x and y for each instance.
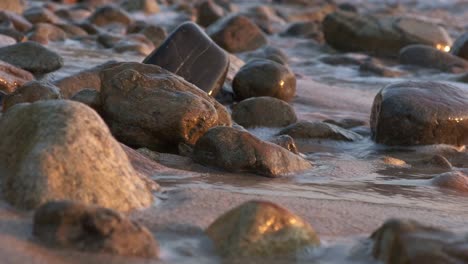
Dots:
(342, 171)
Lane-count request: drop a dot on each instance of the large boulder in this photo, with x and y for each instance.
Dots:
(191, 54)
(380, 35)
(237, 34)
(31, 56)
(429, 57)
(31, 92)
(319, 130)
(147, 106)
(236, 150)
(92, 229)
(420, 113)
(460, 46)
(262, 77)
(260, 229)
(58, 149)
(12, 77)
(402, 241)
(263, 112)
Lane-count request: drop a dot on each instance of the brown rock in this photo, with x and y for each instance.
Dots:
(108, 14)
(44, 33)
(31, 92)
(319, 130)
(12, 77)
(429, 57)
(460, 46)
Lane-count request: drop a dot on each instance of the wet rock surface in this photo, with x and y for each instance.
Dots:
(31, 92)
(264, 78)
(460, 46)
(146, 106)
(32, 57)
(92, 229)
(12, 77)
(426, 56)
(186, 53)
(235, 150)
(62, 165)
(260, 228)
(419, 113)
(319, 130)
(263, 112)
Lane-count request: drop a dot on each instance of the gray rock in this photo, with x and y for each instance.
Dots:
(19, 22)
(89, 97)
(264, 78)
(92, 229)
(380, 35)
(75, 159)
(13, 33)
(263, 112)
(147, 106)
(31, 56)
(420, 113)
(237, 34)
(235, 150)
(31, 92)
(189, 53)
(319, 130)
(429, 57)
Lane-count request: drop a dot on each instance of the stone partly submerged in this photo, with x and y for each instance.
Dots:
(191, 54)
(236, 150)
(420, 113)
(147, 106)
(380, 35)
(430, 57)
(319, 130)
(260, 229)
(60, 149)
(404, 241)
(93, 229)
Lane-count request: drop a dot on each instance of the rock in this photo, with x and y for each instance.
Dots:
(92, 229)
(266, 17)
(32, 57)
(263, 112)
(429, 57)
(286, 142)
(376, 68)
(156, 34)
(270, 53)
(87, 79)
(146, 6)
(186, 52)
(346, 123)
(40, 15)
(401, 241)
(264, 78)
(6, 40)
(31, 92)
(456, 180)
(12, 77)
(460, 46)
(209, 12)
(440, 162)
(237, 34)
(260, 229)
(345, 59)
(89, 97)
(16, 6)
(394, 162)
(44, 33)
(308, 29)
(73, 14)
(235, 150)
(134, 43)
(319, 130)
(108, 40)
(19, 22)
(75, 159)
(72, 30)
(348, 7)
(383, 36)
(420, 113)
(109, 14)
(12, 33)
(147, 106)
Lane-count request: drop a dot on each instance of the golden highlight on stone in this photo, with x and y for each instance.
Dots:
(260, 229)
(443, 48)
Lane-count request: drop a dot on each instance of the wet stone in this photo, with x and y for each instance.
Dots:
(456, 181)
(40, 15)
(420, 113)
(12, 77)
(260, 229)
(270, 53)
(19, 22)
(237, 33)
(319, 130)
(209, 12)
(304, 30)
(89, 97)
(237, 150)
(45, 32)
(285, 141)
(93, 229)
(13, 33)
(31, 92)
(109, 14)
(262, 77)
(429, 57)
(346, 123)
(190, 53)
(460, 46)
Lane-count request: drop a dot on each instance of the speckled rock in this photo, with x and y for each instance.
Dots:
(260, 229)
(236, 150)
(93, 229)
(31, 92)
(420, 113)
(63, 163)
(319, 130)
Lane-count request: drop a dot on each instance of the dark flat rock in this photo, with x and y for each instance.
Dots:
(191, 54)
